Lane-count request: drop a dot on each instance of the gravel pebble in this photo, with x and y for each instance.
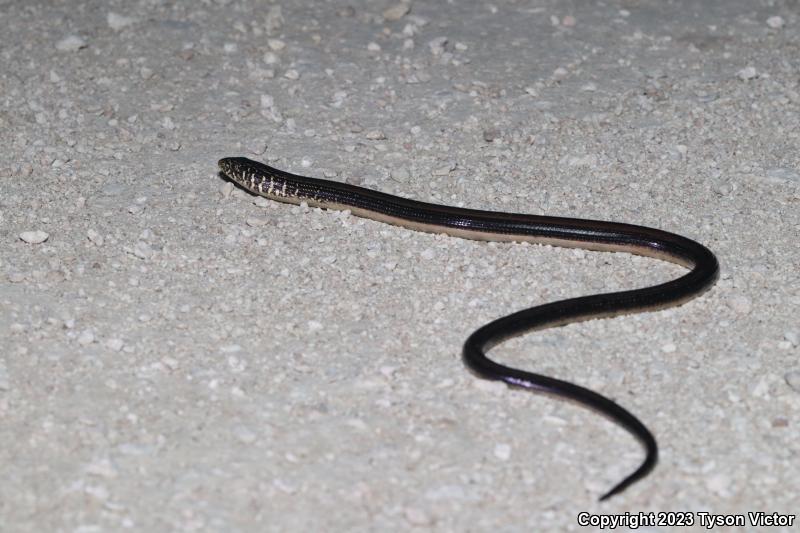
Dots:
(118, 22)
(226, 189)
(276, 44)
(72, 43)
(502, 451)
(793, 337)
(747, 73)
(115, 344)
(257, 222)
(34, 237)
(775, 22)
(86, 337)
(94, 237)
(397, 11)
(740, 304)
(793, 379)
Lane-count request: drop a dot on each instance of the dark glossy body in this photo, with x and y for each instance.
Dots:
(489, 225)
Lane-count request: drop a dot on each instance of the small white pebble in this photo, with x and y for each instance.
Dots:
(740, 304)
(34, 237)
(374, 47)
(142, 250)
(86, 337)
(400, 174)
(226, 189)
(146, 73)
(793, 379)
(437, 45)
(267, 101)
(502, 451)
(793, 337)
(230, 348)
(245, 435)
(260, 201)
(72, 43)
(560, 73)
(747, 73)
(117, 22)
(775, 22)
(95, 238)
(291, 74)
(397, 11)
(314, 325)
(270, 58)
(276, 44)
(668, 348)
(115, 344)
(256, 222)
(102, 468)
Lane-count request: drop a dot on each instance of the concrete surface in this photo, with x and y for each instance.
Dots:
(176, 356)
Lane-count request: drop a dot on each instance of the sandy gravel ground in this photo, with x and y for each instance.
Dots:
(178, 356)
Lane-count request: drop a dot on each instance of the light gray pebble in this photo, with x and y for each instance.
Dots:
(793, 379)
(793, 337)
(437, 45)
(782, 175)
(34, 237)
(260, 201)
(502, 451)
(257, 222)
(740, 304)
(95, 238)
(397, 11)
(445, 169)
(226, 189)
(747, 73)
(775, 22)
(400, 174)
(86, 337)
(142, 250)
(115, 344)
(71, 43)
(245, 435)
(117, 22)
(276, 44)
(257, 147)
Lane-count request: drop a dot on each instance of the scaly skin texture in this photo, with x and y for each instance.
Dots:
(489, 225)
